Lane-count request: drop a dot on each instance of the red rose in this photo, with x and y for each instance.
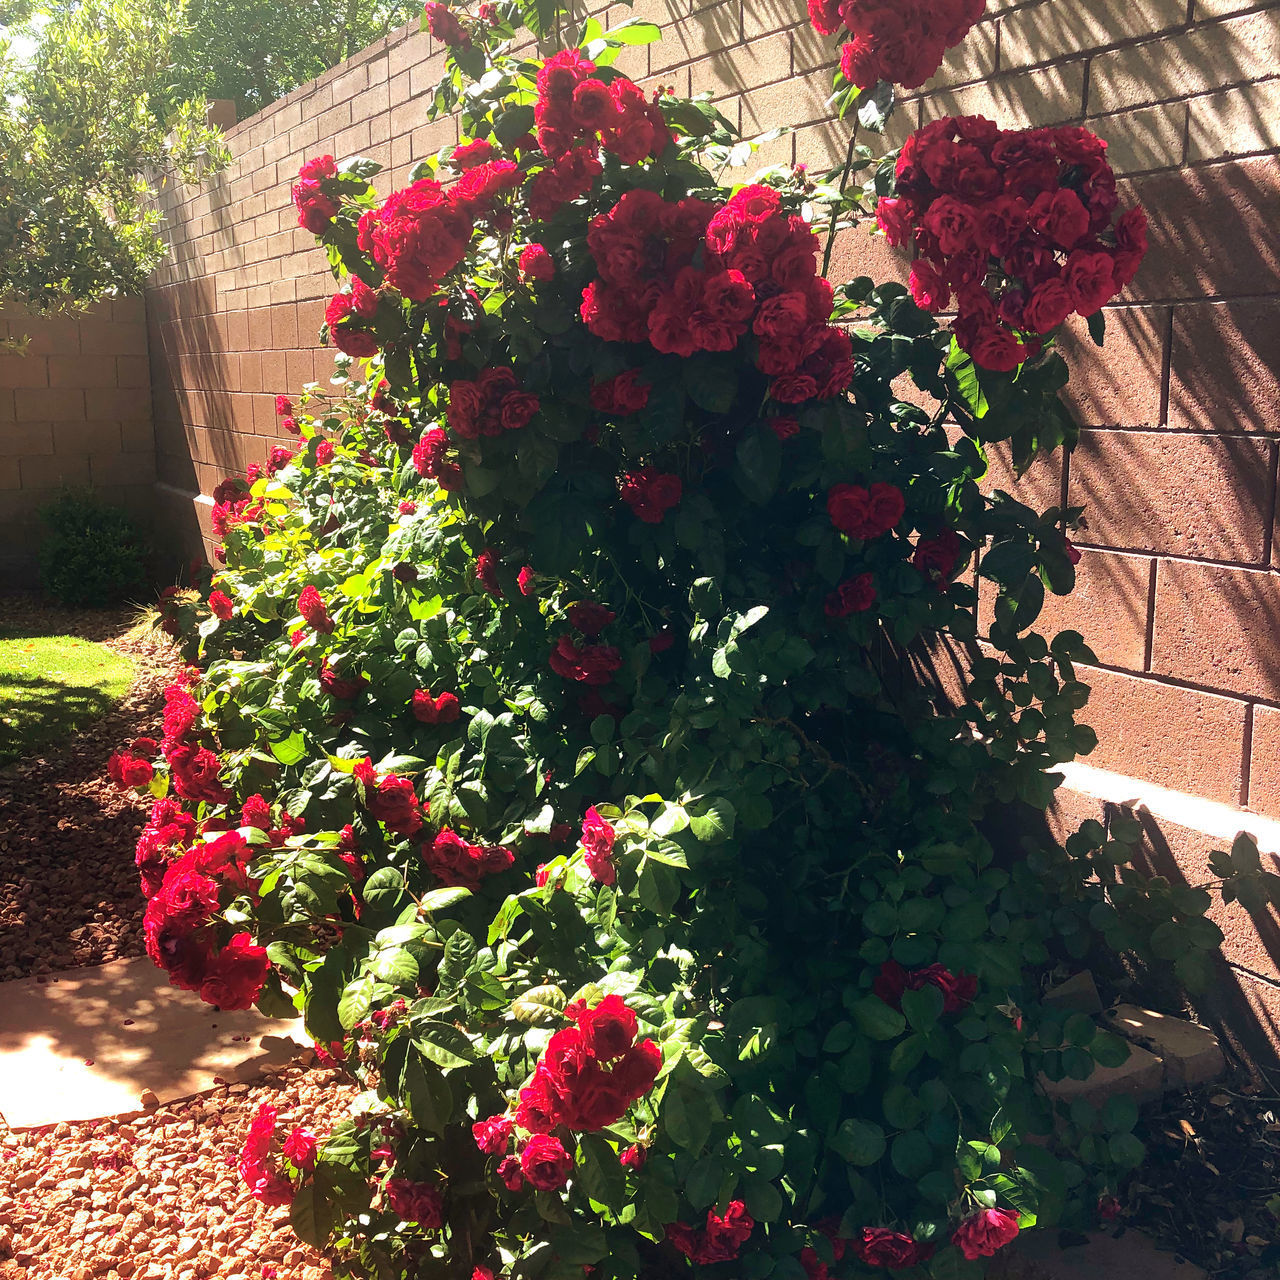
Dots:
(825, 16)
(954, 224)
(442, 709)
(456, 862)
(444, 26)
(981, 1235)
(509, 1172)
(236, 975)
(390, 799)
(634, 1157)
(536, 263)
(545, 1162)
(470, 155)
(264, 1181)
(487, 573)
(1060, 217)
(938, 558)
(127, 770)
(880, 1247)
(1050, 304)
(339, 687)
(590, 664)
(650, 493)
(929, 288)
(313, 611)
(284, 407)
(997, 349)
(895, 217)
(621, 395)
(1091, 278)
(518, 409)
(608, 1028)
(865, 513)
(589, 618)
(492, 1135)
(416, 1201)
(856, 595)
(300, 1149)
(220, 605)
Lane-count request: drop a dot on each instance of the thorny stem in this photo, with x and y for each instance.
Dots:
(819, 752)
(835, 210)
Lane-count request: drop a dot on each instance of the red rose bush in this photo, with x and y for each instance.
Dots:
(559, 739)
(1013, 229)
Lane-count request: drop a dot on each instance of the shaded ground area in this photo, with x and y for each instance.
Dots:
(1210, 1187)
(68, 886)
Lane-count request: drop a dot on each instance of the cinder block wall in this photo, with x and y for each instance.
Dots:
(75, 411)
(1178, 594)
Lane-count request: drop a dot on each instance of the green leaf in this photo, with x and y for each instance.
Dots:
(875, 108)
(712, 822)
(877, 1019)
(428, 1094)
(1097, 327)
(923, 1008)
(1126, 1150)
(539, 1004)
(599, 1172)
(964, 378)
(311, 1215)
(759, 461)
(858, 1142)
(686, 1116)
(911, 1155)
(445, 1045)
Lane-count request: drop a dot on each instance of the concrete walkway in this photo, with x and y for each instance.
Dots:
(116, 1039)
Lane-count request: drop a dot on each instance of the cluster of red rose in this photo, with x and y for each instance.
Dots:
(232, 505)
(261, 1172)
(574, 108)
(417, 236)
(1014, 228)
(178, 925)
(431, 459)
(489, 405)
(902, 41)
(587, 1077)
(590, 1073)
(756, 274)
(722, 1238)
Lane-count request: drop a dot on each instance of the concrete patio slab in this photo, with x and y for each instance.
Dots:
(116, 1039)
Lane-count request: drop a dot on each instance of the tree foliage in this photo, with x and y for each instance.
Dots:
(255, 51)
(89, 130)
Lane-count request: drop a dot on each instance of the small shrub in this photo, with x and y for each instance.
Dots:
(94, 556)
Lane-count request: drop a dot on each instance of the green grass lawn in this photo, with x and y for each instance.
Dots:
(52, 686)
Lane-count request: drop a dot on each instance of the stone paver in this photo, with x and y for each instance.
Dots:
(1190, 1053)
(1141, 1076)
(116, 1038)
(1128, 1255)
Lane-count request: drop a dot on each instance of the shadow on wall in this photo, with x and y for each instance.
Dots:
(1243, 1003)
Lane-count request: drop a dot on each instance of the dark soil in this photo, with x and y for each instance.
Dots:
(69, 891)
(1210, 1187)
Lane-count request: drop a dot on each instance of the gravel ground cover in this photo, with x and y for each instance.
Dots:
(155, 1197)
(68, 886)
(158, 1197)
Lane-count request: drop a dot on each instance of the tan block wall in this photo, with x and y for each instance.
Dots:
(75, 410)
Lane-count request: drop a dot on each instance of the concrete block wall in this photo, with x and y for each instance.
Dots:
(75, 411)
(1179, 586)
